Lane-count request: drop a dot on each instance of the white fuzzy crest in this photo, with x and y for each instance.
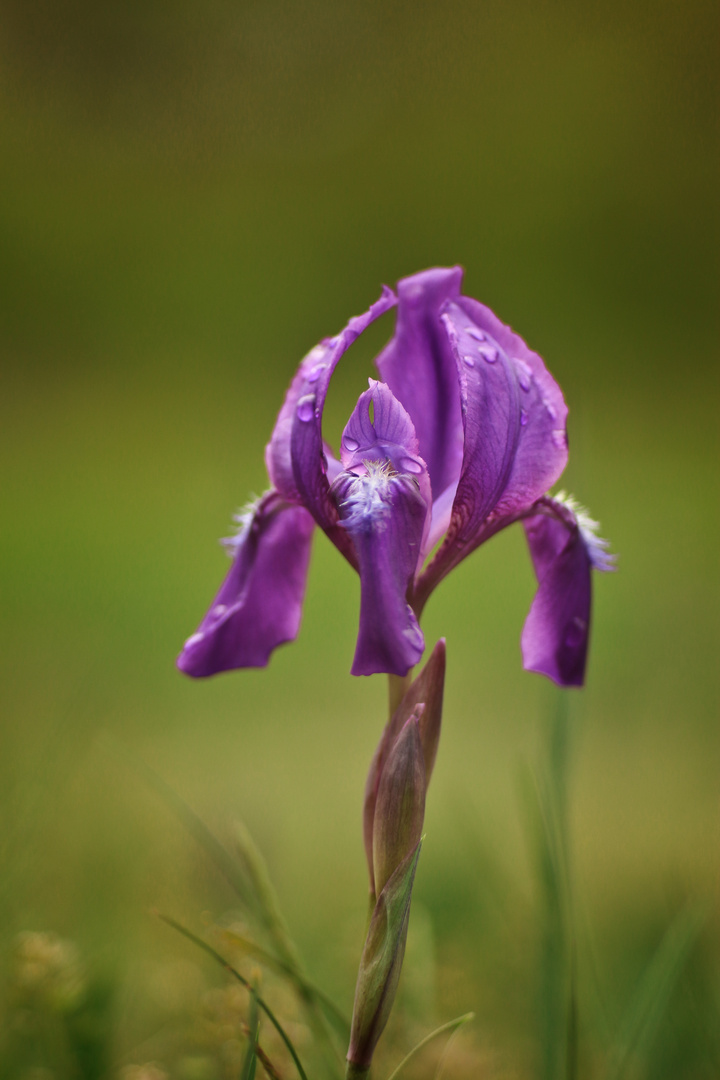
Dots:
(597, 548)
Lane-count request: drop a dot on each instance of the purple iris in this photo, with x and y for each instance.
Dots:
(463, 434)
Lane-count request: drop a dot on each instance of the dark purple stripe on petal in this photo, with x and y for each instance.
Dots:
(555, 635)
(259, 603)
(419, 368)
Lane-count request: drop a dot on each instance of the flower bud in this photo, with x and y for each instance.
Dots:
(427, 690)
(400, 805)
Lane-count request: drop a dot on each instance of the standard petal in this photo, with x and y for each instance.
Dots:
(385, 515)
(259, 603)
(380, 430)
(564, 549)
(515, 445)
(295, 454)
(419, 368)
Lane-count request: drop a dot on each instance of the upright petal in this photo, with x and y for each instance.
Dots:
(295, 457)
(385, 515)
(514, 423)
(259, 603)
(380, 430)
(564, 549)
(419, 368)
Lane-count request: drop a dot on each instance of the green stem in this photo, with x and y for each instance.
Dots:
(397, 685)
(356, 1072)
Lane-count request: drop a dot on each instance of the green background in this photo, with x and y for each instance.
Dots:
(192, 195)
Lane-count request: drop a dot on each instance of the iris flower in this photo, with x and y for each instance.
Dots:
(463, 434)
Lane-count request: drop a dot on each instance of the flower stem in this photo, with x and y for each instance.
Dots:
(356, 1072)
(397, 685)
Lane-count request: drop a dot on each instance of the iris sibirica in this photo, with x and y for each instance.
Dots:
(463, 434)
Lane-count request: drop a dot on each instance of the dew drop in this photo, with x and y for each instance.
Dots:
(550, 410)
(473, 332)
(524, 375)
(523, 418)
(469, 361)
(193, 640)
(489, 353)
(575, 632)
(350, 444)
(316, 372)
(558, 438)
(306, 407)
(219, 609)
(411, 465)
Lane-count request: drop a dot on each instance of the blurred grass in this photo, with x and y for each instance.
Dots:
(192, 196)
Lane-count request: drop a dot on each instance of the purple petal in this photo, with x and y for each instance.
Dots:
(385, 514)
(419, 368)
(555, 635)
(388, 437)
(259, 603)
(514, 422)
(295, 458)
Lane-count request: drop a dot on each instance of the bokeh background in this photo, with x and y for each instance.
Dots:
(192, 195)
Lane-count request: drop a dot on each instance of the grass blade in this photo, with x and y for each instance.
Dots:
(654, 991)
(251, 882)
(452, 1027)
(249, 1065)
(243, 981)
(546, 805)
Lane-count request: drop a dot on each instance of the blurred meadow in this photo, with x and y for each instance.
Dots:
(193, 194)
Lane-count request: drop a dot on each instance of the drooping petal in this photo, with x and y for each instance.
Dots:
(294, 456)
(419, 368)
(259, 604)
(515, 445)
(564, 550)
(385, 515)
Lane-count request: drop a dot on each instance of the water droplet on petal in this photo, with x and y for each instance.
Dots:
(549, 410)
(194, 639)
(469, 361)
(473, 332)
(316, 372)
(350, 444)
(524, 374)
(523, 418)
(411, 465)
(219, 609)
(558, 438)
(306, 407)
(575, 632)
(489, 353)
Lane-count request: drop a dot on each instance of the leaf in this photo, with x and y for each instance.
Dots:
(381, 961)
(451, 1027)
